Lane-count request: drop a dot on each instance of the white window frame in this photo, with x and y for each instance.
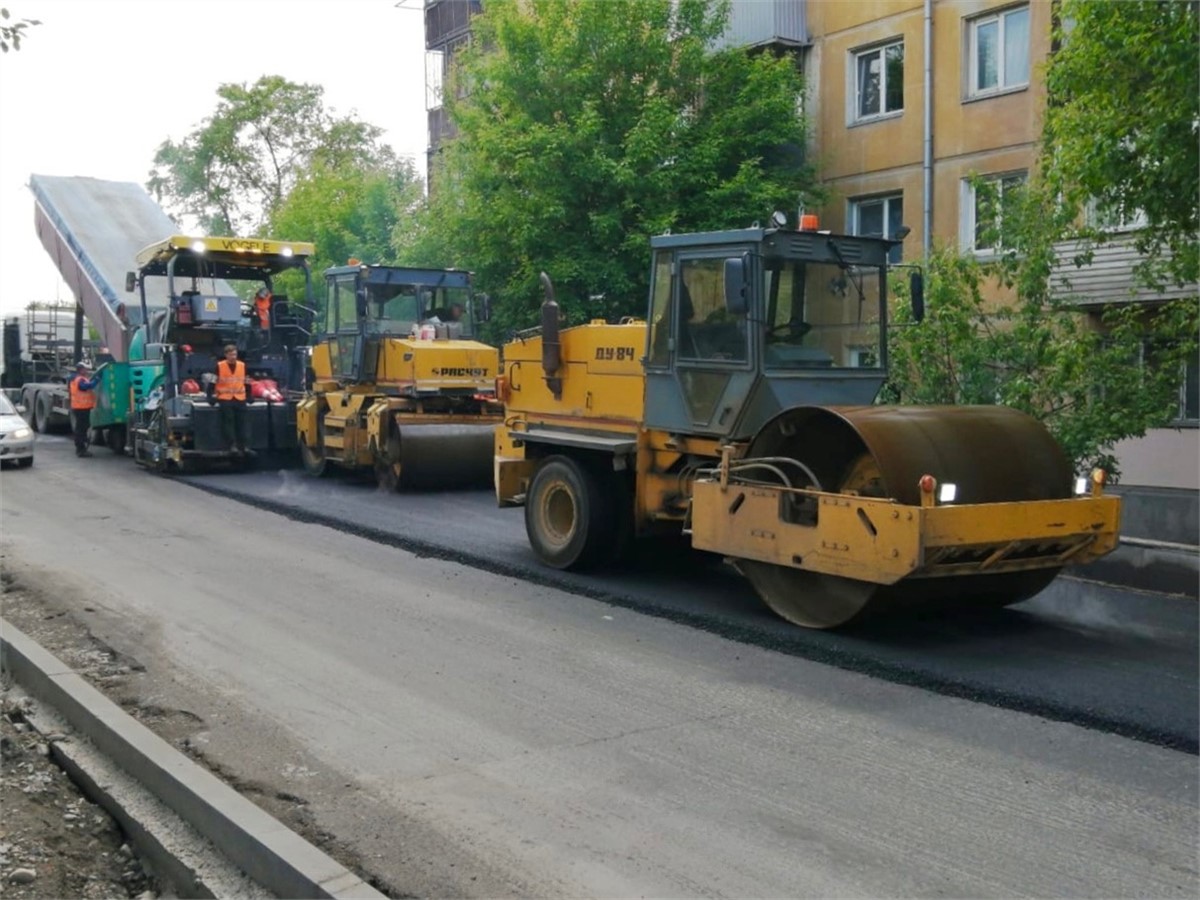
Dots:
(857, 353)
(855, 93)
(1123, 221)
(970, 210)
(1187, 376)
(855, 217)
(1003, 85)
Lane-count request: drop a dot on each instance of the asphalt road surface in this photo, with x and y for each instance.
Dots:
(469, 732)
(1082, 652)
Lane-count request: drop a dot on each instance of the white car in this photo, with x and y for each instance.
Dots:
(16, 437)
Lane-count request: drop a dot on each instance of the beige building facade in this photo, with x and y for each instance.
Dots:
(911, 103)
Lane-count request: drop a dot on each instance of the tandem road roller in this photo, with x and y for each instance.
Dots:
(398, 384)
(740, 413)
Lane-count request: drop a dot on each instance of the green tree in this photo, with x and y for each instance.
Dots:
(1122, 128)
(348, 211)
(1092, 383)
(234, 171)
(1121, 133)
(11, 34)
(584, 128)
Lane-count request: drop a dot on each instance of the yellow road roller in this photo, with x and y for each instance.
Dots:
(741, 413)
(399, 385)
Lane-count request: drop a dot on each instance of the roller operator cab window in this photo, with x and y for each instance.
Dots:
(820, 315)
(393, 309)
(706, 329)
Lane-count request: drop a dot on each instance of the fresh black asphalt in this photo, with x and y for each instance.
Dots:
(1082, 652)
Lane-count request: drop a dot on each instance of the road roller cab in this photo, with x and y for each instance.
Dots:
(740, 413)
(399, 385)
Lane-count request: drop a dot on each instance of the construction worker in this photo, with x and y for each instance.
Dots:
(83, 401)
(230, 392)
(262, 307)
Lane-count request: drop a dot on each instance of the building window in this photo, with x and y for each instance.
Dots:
(1107, 218)
(864, 357)
(878, 217)
(984, 204)
(879, 81)
(999, 51)
(1189, 393)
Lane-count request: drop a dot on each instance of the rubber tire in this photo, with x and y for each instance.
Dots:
(28, 398)
(41, 413)
(114, 438)
(567, 492)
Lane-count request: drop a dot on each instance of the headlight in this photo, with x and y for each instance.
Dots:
(947, 492)
(21, 433)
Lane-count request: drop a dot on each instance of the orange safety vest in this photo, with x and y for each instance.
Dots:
(262, 306)
(231, 381)
(81, 399)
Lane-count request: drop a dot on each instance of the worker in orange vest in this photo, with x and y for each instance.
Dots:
(83, 401)
(262, 307)
(230, 393)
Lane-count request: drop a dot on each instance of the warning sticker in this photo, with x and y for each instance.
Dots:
(210, 304)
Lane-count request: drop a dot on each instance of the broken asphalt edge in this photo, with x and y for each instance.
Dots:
(264, 848)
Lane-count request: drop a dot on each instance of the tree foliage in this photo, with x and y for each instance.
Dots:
(584, 128)
(1122, 128)
(348, 211)
(1121, 132)
(1091, 383)
(234, 171)
(11, 32)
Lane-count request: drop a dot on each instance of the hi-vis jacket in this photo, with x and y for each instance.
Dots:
(231, 381)
(82, 394)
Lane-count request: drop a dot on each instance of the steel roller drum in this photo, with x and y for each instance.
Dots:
(990, 453)
(437, 457)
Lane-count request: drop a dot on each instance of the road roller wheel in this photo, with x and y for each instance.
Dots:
(568, 517)
(315, 464)
(387, 464)
(992, 454)
(386, 475)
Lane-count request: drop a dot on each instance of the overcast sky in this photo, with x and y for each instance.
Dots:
(99, 85)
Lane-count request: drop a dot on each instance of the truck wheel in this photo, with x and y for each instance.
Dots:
(28, 399)
(41, 413)
(568, 518)
(114, 437)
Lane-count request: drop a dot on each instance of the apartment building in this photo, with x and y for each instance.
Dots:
(913, 101)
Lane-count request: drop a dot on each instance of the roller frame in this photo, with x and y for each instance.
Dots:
(881, 541)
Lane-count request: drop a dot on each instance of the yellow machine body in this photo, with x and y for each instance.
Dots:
(831, 510)
(396, 390)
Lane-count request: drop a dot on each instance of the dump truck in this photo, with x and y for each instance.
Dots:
(175, 426)
(399, 385)
(91, 229)
(741, 415)
(40, 351)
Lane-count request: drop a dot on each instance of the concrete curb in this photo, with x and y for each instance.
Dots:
(265, 849)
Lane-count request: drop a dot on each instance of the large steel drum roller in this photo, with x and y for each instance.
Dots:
(439, 457)
(990, 453)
